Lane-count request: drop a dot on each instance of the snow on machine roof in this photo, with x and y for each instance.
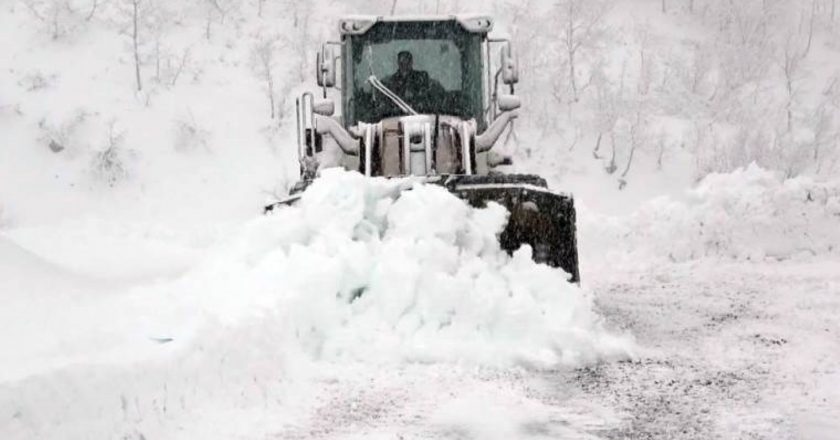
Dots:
(359, 24)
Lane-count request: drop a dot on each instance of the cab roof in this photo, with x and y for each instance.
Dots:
(360, 24)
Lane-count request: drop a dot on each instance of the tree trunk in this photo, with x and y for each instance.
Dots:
(661, 154)
(597, 146)
(208, 24)
(271, 94)
(811, 27)
(634, 142)
(56, 31)
(302, 46)
(570, 49)
(629, 160)
(135, 40)
(612, 167)
(789, 104)
(184, 57)
(157, 60)
(643, 77)
(572, 76)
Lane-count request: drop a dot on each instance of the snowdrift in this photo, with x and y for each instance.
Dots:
(750, 214)
(372, 272)
(388, 270)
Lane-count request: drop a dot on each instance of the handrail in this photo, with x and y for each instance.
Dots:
(305, 119)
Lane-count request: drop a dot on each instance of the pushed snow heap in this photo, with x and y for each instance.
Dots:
(749, 214)
(378, 269)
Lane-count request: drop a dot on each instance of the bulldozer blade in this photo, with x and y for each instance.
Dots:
(543, 219)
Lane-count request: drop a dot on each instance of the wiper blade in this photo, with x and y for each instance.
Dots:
(391, 95)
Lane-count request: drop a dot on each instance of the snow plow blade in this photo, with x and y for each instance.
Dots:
(543, 219)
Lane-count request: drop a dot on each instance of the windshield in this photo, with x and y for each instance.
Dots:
(435, 67)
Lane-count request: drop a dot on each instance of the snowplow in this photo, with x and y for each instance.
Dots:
(420, 96)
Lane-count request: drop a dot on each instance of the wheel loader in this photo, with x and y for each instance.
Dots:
(421, 96)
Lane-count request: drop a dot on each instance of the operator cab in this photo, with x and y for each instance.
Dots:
(419, 96)
(434, 66)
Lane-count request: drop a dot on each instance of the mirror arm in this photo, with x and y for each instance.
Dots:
(327, 57)
(496, 91)
(327, 125)
(485, 141)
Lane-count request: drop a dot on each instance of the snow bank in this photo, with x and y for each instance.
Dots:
(750, 214)
(371, 272)
(362, 270)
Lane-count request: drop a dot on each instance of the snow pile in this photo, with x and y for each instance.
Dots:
(361, 269)
(360, 274)
(750, 214)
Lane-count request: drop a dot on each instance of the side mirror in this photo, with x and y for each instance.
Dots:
(324, 107)
(508, 103)
(325, 67)
(510, 70)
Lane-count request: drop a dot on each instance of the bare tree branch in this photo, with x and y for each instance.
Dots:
(92, 12)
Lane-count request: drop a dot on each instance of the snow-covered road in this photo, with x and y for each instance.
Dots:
(734, 351)
(738, 350)
(731, 350)
(252, 334)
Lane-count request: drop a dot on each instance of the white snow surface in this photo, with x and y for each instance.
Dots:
(264, 326)
(750, 214)
(372, 271)
(162, 305)
(353, 272)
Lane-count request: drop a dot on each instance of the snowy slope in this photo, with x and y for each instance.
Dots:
(143, 295)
